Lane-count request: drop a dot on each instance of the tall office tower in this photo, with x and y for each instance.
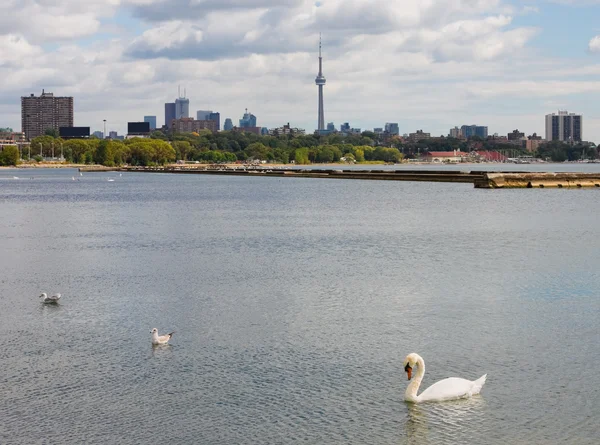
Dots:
(169, 114)
(564, 126)
(182, 107)
(392, 128)
(248, 121)
(202, 115)
(44, 112)
(151, 120)
(320, 81)
(216, 116)
(228, 126)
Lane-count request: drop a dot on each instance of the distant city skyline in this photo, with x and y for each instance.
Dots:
(426, 65)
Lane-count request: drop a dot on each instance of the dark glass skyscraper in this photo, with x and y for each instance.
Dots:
(169, 114)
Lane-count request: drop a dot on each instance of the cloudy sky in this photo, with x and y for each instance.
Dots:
(426, 64)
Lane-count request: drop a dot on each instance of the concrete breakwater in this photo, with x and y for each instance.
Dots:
(480, 179)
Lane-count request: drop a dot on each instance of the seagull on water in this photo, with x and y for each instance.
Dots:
(50, 300)
(160, 339)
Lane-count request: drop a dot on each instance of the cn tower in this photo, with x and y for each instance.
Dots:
(320, 81)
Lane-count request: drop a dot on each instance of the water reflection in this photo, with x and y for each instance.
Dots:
(447, 422)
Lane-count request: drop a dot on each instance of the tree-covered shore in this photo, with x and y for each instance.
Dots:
(233, 146)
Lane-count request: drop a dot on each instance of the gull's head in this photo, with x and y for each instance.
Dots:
(154, 331)
(410, 362)
(44, 294)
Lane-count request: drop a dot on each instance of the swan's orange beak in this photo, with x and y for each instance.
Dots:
(408, 370)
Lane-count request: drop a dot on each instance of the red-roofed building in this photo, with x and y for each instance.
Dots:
(490, 156)
(445, 156)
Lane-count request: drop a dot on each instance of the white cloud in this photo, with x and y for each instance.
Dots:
(594, 45)
(430, 64)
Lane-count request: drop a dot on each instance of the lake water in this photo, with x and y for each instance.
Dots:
(294, 303)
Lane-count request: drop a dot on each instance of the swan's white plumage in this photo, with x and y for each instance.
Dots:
(448, 389)
(452, 388)
(50, 300)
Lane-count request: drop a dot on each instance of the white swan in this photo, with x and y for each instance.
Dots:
(447, 389)
(160, 339)
(50, 300)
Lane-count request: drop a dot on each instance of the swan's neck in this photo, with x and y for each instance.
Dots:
(411, 392)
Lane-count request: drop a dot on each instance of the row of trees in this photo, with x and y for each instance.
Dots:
(136, 151)
(212, 148)
(229, 146)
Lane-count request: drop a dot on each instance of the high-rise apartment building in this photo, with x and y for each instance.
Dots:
(455, 133)
(564, 126)
(468, 131)
(40, 113)
(169, 113)
(228, 126)
(392, 128)
(152, 121)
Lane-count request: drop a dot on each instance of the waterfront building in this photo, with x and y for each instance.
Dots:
(392, 128)
(10, 137)
(320, 82)
(40, 113)
(564, 126)
(445, 156)
(169, 113)
(228, 126)
(191, 125)
(468, 131)
(152, 121)
(248, 121)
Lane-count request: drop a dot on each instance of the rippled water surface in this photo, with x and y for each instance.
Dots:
(294, 302)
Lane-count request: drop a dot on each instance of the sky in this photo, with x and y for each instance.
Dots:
(425, 64)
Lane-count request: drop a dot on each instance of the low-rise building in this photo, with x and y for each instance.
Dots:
(191, 125)
(286, 130)
(445, 156)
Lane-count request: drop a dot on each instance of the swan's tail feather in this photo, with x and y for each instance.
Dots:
(478, 384)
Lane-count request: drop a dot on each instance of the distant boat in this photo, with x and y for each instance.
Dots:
(15, 177)
(111, 180)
